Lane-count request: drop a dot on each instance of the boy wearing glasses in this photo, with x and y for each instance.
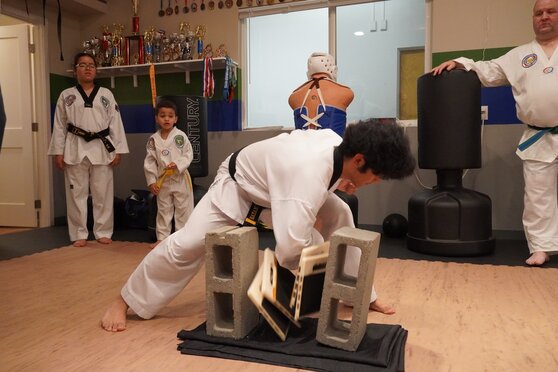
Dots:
(87, 141)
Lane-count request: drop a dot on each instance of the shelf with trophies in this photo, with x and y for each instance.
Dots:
(133, 55)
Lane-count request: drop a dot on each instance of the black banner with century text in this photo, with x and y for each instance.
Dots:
(192, 120)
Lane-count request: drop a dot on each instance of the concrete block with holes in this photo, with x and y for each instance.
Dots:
(340, 287)
(231, 264)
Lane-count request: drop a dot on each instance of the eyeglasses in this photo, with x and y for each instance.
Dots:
(90, 66)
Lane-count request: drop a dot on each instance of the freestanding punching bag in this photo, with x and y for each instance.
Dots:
(450, 220)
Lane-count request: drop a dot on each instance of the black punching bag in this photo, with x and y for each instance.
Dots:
(450, 220)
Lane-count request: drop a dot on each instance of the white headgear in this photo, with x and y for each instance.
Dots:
(322, 62)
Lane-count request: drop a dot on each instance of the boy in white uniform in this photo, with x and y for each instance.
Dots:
(87, 140)
(293, 177)
(169, 154)
(532, 72)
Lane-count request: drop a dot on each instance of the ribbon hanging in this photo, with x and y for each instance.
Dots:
(153, 86)
(208, 82)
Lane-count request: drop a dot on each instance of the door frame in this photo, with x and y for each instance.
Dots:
(41, 100)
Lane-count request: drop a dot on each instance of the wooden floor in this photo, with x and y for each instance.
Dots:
(460, 317)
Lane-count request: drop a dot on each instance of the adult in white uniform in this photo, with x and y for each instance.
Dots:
(532, 72)
(294, 176)
(169, 154)
(87, 140)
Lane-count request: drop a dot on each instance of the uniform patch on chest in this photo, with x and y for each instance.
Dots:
(105, 101)
(68, 101)
(529, 60)
(165, 152)
(548, 70)
(179, 141)
(151, 144)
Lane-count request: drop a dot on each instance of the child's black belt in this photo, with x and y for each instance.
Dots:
(90, 136)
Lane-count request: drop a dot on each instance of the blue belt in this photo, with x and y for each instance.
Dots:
(537, 136)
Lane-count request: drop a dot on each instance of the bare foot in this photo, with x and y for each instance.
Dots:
(80, 243)
(104, 240)
(538, 258)
(114, 319)
(382, 307)
(153, 245)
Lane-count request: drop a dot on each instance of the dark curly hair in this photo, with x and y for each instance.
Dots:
(384, 145)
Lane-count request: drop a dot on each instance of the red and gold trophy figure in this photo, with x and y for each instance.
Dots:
(134, 43)
(135, 18)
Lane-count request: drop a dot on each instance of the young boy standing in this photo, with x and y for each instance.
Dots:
(169, 154)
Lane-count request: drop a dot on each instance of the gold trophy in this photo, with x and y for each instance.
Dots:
(117, 44)
(200, 34)
(148, 42)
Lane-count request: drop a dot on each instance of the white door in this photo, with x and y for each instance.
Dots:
(17, 166)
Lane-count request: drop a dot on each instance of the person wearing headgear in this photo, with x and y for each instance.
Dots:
(321, 102)
(532, 71)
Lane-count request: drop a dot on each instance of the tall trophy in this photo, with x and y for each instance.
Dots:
(148, 36)
(200, 34)
(135, 18)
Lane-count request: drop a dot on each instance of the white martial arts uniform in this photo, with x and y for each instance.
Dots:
(176, 196)
(534, 81)
(87, 163)
(289, 174)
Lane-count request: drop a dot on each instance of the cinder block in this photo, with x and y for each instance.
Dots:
(231, 264)
(338, 286)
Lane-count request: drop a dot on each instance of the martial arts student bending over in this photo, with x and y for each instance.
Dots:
(293, 176)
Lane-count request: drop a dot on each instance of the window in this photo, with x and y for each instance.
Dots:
(369, 40)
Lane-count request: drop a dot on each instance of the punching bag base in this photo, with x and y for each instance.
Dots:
(451, 248)
(450, 222)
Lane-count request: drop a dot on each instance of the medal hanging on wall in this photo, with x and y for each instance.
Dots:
(239, 3)
(221, 4)
(211, 4)
(161, 11)
(202, 6)
(229, 3)
(186, 9)
(169, 9)
(176, 8)
(194, 6)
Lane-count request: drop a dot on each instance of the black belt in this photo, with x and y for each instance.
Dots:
(253, 216)
(90, 136)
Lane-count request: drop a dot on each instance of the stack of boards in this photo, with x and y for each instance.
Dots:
(283, 298)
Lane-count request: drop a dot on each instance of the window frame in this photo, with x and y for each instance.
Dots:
(246, 13)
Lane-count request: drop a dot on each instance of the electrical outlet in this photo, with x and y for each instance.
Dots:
(484, 112)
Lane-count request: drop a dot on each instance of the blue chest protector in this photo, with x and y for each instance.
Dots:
(326, 116)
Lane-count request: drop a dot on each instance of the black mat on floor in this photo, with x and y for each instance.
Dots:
(382, 348)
